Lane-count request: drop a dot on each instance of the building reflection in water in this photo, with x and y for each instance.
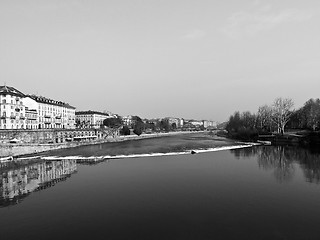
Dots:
(281, 160)
(16, 184)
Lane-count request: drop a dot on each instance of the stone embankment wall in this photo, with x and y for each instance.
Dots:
(52, 135)
(17, 150)
(34, 141)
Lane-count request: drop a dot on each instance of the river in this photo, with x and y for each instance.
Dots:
(259, 192)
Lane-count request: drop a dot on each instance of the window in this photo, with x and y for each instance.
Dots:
(4, 101)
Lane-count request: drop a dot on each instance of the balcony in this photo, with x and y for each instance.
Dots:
(13, 117)
(32, 118)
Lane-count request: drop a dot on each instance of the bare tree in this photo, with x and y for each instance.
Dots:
(281, 112)
(265, 118)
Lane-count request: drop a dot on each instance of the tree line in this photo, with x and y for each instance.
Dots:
(138, 125)
(276, 117)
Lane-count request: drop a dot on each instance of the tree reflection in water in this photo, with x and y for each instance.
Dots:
(281, 160)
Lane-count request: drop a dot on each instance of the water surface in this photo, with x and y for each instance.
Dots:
(251, 193)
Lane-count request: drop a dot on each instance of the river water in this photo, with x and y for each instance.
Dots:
(260, 192)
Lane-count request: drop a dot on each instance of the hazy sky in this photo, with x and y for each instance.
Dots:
(155, 58)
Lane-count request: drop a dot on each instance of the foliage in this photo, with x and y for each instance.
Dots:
(242, 126)
(149, 125)
(137, 125)
(264, 119)
(125, 130)
(239, 121)
(307, 117)
(311, 114)
(164, 125)
(138, 128)
(112, 122)
(136, 119)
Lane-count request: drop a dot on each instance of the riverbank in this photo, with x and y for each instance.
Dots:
(17, 150)
(302, 138)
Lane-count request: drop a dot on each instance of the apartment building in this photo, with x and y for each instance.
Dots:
(20, 111)
(51, 113)
(209, 124)
(90, 119)
(12, 110)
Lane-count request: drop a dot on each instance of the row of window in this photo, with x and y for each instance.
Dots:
(31, 126)
(4, 114)
(4, 121)
(4, 101)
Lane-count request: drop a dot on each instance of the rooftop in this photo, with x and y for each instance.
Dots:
(89, 112)
(50, 101)
(11, 91)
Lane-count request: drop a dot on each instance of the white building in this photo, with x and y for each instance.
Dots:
(12, 110)
(209, 124)
(127, 120)
(20, 111)
(196, 123)
(90, 119)
(51, 113)
(31, 119)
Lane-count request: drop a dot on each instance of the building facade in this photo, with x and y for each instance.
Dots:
(51, 113)
(209, 124)
(12, 110)
(90, 119)
(20, 111)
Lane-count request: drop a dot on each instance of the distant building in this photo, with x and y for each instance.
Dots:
(127, 120)
(181, 122)
(174, 121)
(90, 119)
(196, 123)
(209, 124)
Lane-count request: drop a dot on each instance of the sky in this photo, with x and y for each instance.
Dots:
(199, 59)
